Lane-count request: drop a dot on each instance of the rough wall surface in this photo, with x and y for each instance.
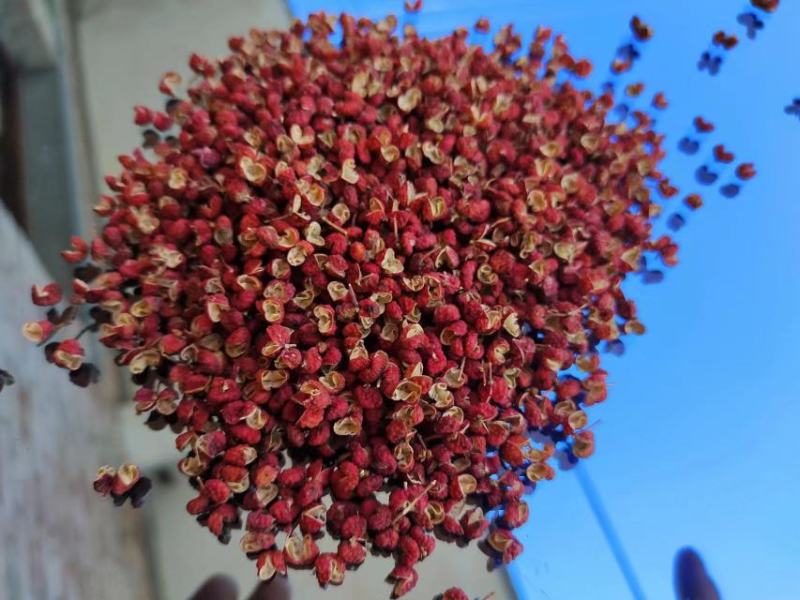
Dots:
(57, 539)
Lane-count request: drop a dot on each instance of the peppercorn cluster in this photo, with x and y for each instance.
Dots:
(365, 283)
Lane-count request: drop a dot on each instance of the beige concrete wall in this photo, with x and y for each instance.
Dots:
(125, 47)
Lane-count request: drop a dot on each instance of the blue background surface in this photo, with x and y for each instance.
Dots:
(696, 443)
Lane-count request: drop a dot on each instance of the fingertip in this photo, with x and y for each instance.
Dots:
(217, 587)
(276, 589)
(692, 581)
(687, 557)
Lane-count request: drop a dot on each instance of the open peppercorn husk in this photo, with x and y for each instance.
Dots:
(365, 283)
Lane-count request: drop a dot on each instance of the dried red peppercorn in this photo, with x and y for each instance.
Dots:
(641, 30)
(329, 568)
(46, 295)
(125, 483)
(702, 125)
(745, 171)
(454, 593)
(766, 5)
(722, 155)
(726, 41)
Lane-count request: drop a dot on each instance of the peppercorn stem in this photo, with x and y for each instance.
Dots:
(84, 330)
(335, 226)
(353, 294)
(413, 503)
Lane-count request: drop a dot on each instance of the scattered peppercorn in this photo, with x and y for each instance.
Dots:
(693, 201)
(727, 41)
(766, 5)
(641, 30)
(660, 101)
(482, 25)
(745, 171)
(125, 483)
(702, 125)
(454, 593)
(722, 155)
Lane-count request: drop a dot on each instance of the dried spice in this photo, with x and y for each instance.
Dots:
(454, 594)
(125, 483)
(702, 125)
(722, 155)
(766, 5)
(482, 25)
(745, 171)
(354, 279)
(727, 41)
(693, 201)
(660, 101)
(753, 24)
(641, 31)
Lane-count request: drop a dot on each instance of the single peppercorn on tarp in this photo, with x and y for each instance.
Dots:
(365, 284)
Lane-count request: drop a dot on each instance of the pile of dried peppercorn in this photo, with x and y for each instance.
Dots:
(365, 283)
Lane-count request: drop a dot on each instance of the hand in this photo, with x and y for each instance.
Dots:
(220, 587)
(692, 581)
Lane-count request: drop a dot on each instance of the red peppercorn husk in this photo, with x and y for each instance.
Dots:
(702, 125)
(454, 593)
(125, 483)
(367, 268)
(746, 171)
(766, 5)
(726, 41)
(46, 295)
(641, 30)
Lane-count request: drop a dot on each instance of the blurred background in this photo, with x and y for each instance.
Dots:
(696, 444)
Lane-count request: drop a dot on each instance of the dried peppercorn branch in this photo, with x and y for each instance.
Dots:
(352, 278)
